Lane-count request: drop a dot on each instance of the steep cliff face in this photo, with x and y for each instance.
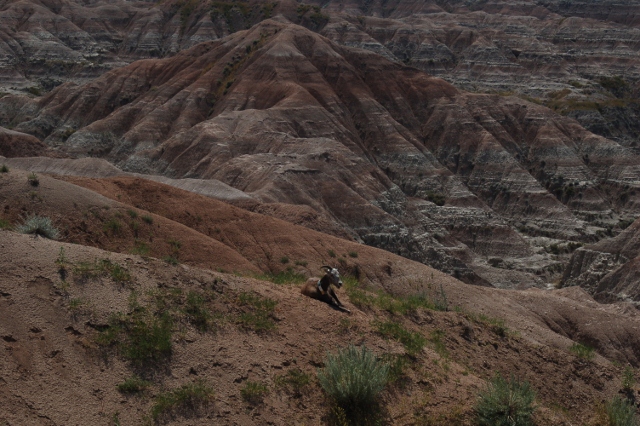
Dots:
(609, 269)
(475, 185)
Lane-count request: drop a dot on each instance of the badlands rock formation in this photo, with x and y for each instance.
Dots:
(471, 184)
(609, 269)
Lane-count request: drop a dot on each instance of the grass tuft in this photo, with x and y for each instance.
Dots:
(412, 342)
(187, 400)
(196, 311)
(582, 351)
(295, 381)
(133, 385)
(259, 318)
(505, 403)
(254, 392)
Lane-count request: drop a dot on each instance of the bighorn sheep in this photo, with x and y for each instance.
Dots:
(320, 288)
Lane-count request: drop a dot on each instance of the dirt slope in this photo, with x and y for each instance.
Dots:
(55, 372)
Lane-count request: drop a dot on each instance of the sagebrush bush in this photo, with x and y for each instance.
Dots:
(620, 412)
(39, 225)
(353, 378)
(506, 403)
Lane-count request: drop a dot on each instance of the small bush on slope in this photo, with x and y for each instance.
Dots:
(620, 412)
(505, 403)
(353, 378)
(187, 399)
(38, 225)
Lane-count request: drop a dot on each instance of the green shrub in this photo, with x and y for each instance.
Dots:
(331, 253)
(38, 225)
(4, 224)
(254, 392)
(353, 378)
(148, 340)
(187, 398)
(147, 219)
(505, 403)
(4, 169)
(436, 198)
(196, 311)
(353, 254)
(621, 412)
(33, 179)
(133, 384)
(583, 351)
(628, 379)
(132, 213)
(284, 260)
(295, 380)
(412, 342)
(141, 248)
(171, 260)
(113, 225)
(139, 336)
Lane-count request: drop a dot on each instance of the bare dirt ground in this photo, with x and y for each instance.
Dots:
(58, 298)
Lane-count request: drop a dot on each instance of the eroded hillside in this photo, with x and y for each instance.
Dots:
(65, 349)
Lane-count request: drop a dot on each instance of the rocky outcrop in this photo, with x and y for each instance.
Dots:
(472, 184)
(609, 270)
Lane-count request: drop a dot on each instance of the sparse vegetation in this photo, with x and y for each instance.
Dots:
(141, 248)
(621, 412)
(113, 225)
(582, 351)
(505, 403)
(284, 260)
(33, 179)
(4, 169)
(628, 379)
(254, 392)
(412, 342)
(295, 381)
(259, 317)
(140, 336)
(4, 224)
(331, 253)
(353, 254)
(147, 219)
(436, 198)
(171, 260)
(133, 385)
(353, 378)
(395, 305)
(196, 311)
(284, 277)
(39, 225)
(187, 399)
(132, 213)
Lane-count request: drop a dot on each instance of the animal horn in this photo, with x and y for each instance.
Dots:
(328, 268)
